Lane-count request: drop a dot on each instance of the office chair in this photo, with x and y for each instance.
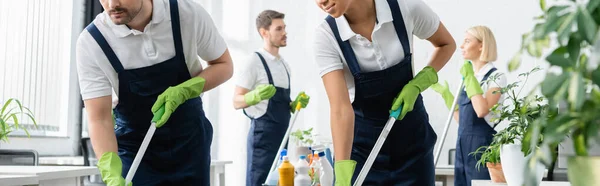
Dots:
(19, 157)
(451, 156)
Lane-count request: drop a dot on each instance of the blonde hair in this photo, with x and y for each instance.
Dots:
(489, 52)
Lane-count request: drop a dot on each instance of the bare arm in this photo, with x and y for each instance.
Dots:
(456, 116)
(102, 132)
(218, 71)
(341, 113)
(444, 47)
(483, 105)
(238, 98)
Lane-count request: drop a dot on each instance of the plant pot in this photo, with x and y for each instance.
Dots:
(513, 165)
(295, 150)
(584, 170)
(496, 173)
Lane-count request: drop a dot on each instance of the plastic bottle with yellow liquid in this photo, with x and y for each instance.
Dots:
(286, 173)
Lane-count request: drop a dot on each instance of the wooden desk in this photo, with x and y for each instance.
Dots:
(14, 180)
(52, 175)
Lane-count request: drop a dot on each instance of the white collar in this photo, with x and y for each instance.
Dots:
(158, 15)
(268, 56)
(484, 70)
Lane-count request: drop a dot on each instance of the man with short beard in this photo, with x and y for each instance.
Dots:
(263, 91)
(148, 52)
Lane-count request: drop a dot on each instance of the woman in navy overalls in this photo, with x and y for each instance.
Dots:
(475, 128)
(406, 156)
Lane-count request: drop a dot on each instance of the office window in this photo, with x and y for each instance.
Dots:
(35, 54)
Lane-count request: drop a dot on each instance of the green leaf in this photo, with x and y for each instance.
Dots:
(32, 119)
(558, 128)
(592, 5)
(583, 59)
(553, 20)
(596, 76)
(534, 49)
(576, 91)
(596, 15)
(559, 58)
(586, 25)
(515, 62)
(539, 31)
(543, 5)
(8, 113)
(566, 27)
(4, 107)
(593, 129)
(574, 46)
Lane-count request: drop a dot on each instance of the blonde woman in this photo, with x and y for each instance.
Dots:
(474, 102)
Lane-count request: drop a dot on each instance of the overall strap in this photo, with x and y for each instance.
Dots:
(262, 60)
(176, 29)
(345, 47)
(399, 26)
(110, 54)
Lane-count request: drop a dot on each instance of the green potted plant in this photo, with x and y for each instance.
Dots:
(506, 146)
(571, 87)
(489, 156)
(10, 113)
(301, 142)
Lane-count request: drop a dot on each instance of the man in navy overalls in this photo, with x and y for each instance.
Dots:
(263, 91)
(148, 52)
(406, 157)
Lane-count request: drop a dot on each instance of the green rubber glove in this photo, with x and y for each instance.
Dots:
(471, 84)
(110, 167)
(261, 92)
(302, 98)
(175, 96)
(444, 90)
(413, 88)
(344, 169)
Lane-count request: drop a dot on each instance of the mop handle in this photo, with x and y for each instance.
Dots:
(384, 133)
(450, 115)
(285, 138)
(144, 146)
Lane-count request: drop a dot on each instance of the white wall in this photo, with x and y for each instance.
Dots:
(508, 19)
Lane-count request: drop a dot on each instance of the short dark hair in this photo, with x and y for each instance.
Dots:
(265, 18)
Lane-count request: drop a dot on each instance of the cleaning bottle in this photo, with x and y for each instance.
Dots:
(326, 176)
(273, 176)
(286, 173)
(302, 178)
(315, 170)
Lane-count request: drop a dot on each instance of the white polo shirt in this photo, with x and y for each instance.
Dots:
(253, 73)
(384, 51)
(136, 49)
(500, 82)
